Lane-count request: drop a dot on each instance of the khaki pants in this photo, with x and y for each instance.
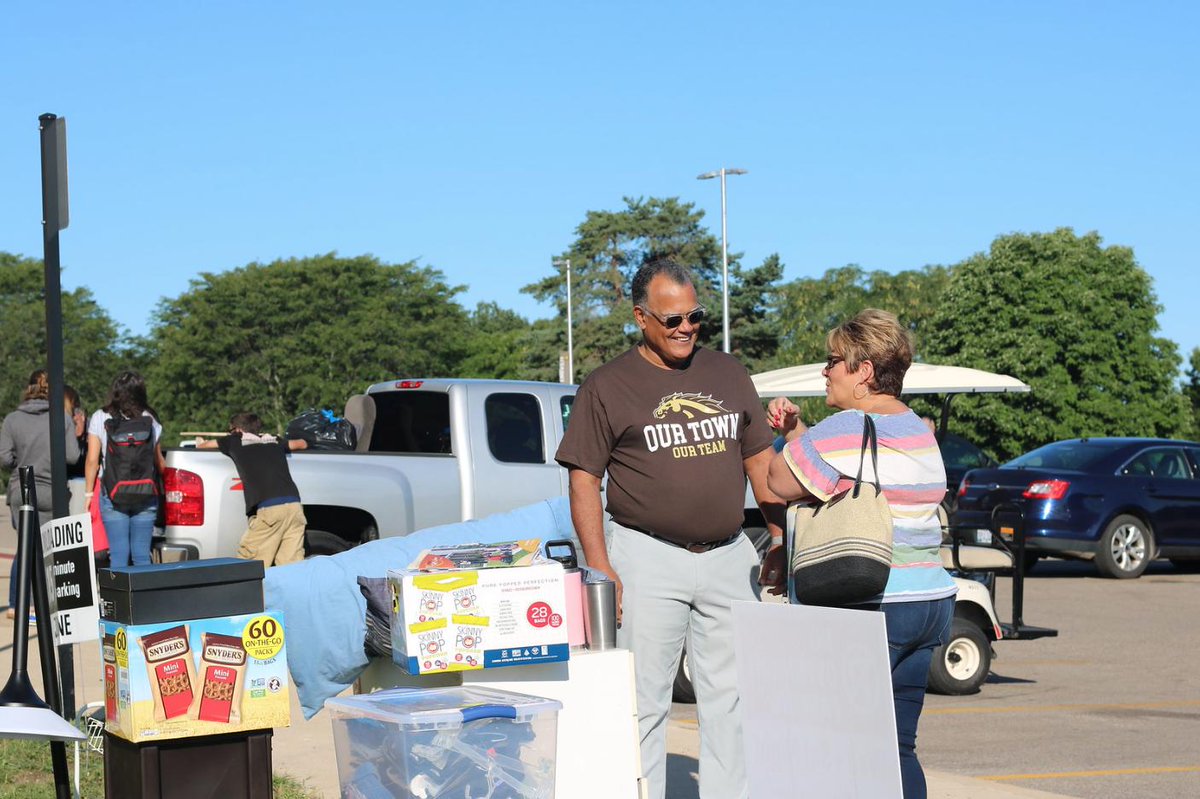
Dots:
(275, 535)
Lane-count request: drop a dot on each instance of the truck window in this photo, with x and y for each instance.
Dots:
(514, 428)
(411, 421)
(564, 405)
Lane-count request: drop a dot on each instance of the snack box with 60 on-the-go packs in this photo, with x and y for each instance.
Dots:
(478, 606)
(180, 679)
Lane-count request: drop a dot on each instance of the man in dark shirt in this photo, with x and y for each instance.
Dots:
(275, 527)
(677, 428)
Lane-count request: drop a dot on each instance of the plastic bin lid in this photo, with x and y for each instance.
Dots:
(442, 706)
(182, 574)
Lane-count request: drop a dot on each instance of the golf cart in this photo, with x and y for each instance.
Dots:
(974, 557)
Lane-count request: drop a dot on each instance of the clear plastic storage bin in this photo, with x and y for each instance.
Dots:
(435, 743)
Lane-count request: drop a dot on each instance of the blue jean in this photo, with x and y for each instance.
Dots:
(128, 535)
(914, 629)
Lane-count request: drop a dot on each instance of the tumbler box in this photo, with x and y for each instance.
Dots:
(455, 741)
(185, 590)
(478, 618)
(209, 676)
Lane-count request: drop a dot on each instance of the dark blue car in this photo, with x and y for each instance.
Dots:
(1121, 501)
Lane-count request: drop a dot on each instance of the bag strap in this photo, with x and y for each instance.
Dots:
(870, 438)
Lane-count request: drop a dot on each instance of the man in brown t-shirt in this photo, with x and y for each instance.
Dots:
(678, 429)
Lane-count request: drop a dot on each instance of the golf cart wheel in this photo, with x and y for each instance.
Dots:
(683, 691)
(1126, 548)
(962, 664)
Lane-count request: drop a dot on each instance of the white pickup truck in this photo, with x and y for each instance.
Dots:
(436, 451)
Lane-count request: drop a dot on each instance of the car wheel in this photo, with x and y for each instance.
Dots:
(320, 542)
(961, 664)
(1126, 548)
(1030, 561)
(683, 691)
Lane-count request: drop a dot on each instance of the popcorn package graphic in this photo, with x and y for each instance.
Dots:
(507, 608)
(199, 677)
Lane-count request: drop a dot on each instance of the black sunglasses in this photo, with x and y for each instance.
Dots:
(832, 361)
(672, 321)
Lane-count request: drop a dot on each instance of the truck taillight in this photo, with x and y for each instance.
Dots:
(1047, 489)
(185, 497)
(963, 486)
(409, 383)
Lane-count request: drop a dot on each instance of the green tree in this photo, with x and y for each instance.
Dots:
(609, 248)
(1073, 319)
(754, 319)
(1191, 391)
(92, 345)
(500, 344)
(277, 338)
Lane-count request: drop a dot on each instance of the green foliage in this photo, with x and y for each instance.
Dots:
(278, 338)
(609, 248)
(1074, 320)
(1191, 391)
(92, 352)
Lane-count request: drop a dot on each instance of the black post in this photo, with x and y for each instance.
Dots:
(55, 217)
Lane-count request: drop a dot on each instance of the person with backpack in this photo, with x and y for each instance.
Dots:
(25, 441)
(123, 447)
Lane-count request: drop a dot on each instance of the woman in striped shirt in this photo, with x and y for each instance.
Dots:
(868, 357)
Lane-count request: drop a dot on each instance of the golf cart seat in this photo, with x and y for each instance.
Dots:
(976, 558)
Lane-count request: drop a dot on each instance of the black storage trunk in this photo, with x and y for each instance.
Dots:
(236, 766)
(190, 589)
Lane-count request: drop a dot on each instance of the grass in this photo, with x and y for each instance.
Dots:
(26, 773)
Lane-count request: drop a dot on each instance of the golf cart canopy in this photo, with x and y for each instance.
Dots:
(922, 378)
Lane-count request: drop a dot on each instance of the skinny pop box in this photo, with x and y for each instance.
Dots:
(182, 679)
(478, 607)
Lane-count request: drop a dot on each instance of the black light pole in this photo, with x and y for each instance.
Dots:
(55, 217)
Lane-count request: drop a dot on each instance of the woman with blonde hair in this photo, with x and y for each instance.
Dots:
(25, 441)
(864, 372)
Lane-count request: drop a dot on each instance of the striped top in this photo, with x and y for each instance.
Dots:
(825, 460)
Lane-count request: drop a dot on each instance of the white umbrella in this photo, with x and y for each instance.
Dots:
(806, 380)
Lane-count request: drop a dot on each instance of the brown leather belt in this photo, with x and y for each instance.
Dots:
(698, 546)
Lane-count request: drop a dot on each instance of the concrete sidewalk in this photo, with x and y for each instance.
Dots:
(304, 750)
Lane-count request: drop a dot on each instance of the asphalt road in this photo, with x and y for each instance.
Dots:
(1109, 708)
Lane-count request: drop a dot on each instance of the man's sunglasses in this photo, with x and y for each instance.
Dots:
(672, 321)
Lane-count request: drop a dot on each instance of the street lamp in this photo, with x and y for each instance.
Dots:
(721, 173)
(570, 335)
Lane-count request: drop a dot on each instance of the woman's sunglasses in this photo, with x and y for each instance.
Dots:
(672, 321)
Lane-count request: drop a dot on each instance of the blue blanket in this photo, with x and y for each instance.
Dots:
(325, 612)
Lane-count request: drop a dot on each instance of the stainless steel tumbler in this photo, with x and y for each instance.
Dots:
(600, 614)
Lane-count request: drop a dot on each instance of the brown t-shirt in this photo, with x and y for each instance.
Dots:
(672, 441)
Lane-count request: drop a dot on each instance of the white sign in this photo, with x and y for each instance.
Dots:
(71, 579)
(816, 697)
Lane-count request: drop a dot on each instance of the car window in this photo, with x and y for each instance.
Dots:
(411, 421)
(1194, 457)
(1165, 462)
(514, 428)
(564, 406)
(959, 453)
(1077, 456)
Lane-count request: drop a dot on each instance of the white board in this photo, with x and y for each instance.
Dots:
(816, 698)
(71, 579)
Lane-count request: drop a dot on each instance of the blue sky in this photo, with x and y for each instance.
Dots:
(474, 137)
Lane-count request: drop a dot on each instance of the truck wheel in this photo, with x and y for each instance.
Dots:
(962, 664)
(320, 542)
(1126, 548)
(683, 691)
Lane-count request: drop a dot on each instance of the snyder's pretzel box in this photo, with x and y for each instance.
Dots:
(478, 606)
(183, 679)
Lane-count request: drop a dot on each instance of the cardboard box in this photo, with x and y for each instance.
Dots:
(509, 613)
(183, 679)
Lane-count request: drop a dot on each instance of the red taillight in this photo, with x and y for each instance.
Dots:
(1047, 489)
(185, 497)
(963, 486)
(409, 383)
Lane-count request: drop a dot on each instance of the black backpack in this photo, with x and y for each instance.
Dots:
(129, 480)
